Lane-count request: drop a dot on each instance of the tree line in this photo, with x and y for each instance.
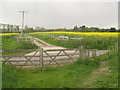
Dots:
(93, 29)
(7, 28)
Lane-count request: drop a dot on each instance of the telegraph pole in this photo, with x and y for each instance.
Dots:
(23, 12)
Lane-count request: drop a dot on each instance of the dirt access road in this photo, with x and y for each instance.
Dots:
(46, 46)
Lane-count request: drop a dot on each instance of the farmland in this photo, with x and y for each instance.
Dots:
(94, 72)
(90, 41)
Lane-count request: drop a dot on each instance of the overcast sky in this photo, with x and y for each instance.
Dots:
(58, 14)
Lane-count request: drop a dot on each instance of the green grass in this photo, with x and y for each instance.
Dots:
(0, 75)
(41, 43)
(109, 78)
(68, 76)
(89, 42)
(10, 76)
(10, 43)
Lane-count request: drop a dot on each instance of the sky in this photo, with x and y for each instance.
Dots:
(61, 14)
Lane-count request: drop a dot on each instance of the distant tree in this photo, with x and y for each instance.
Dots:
(94, 29)
(102, 30)
(26, 29)
(0, 24)
(11, 28)
(75, 29)
(106, 30)
(17, 28)
(8, 27)
(118, 30)
(14, 28)
(112, 29)
(86, 29)
(82, 28)
(0, 27)
(31, 29)
(42, 29)
(3, 27)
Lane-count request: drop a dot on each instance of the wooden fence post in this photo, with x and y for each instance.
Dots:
(81, 52)
(94, 52)
(41, 58)
(85, 53)
(88, 53)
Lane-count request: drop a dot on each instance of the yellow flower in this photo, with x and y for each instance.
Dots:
(105, 34)
(9, 33)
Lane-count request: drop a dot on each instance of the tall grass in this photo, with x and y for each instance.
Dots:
(108, 79)
(10, 76)
(89, 42)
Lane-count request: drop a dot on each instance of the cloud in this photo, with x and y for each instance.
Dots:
(62, 14)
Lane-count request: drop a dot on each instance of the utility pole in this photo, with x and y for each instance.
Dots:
(23, 12)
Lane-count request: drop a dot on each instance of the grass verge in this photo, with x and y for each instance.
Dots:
(69, 76)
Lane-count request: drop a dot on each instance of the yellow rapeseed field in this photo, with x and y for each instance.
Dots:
(106, 34)
(9, 33)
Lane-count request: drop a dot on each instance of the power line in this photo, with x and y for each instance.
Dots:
(23, 12)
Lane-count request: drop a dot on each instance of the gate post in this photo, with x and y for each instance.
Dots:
(94, 52)
(81, 52)
(41, 58)
(88, 53)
